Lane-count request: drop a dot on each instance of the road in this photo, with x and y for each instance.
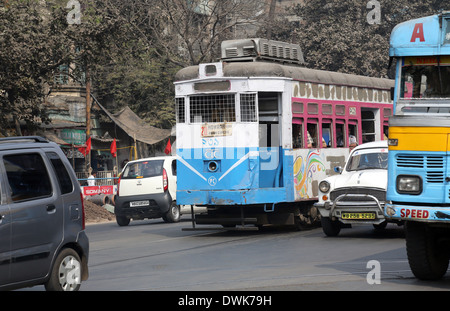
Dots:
(152, 255)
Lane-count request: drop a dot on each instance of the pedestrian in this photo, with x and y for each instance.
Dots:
(352, 142)
(91, 179)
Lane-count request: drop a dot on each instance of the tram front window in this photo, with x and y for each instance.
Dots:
(212, 108)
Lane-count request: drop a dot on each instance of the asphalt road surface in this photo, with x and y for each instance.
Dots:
(152, 255)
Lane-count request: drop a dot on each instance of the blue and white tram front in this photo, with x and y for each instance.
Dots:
(229, 141)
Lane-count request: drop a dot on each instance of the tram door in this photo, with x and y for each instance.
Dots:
(269, 106)
(370, 123)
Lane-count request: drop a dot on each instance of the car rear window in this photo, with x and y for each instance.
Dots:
(143, 169)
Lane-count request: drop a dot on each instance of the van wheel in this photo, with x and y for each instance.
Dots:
(66, 272)
(173, 214)
(122, 221)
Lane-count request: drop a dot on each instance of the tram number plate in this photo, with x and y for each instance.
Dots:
(358, 216)
(139, 203)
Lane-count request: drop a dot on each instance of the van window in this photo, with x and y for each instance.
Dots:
(65, 183)
(143, 169)
(174, 167)
(27, 176)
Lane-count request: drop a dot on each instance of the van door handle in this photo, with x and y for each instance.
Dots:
(51, 208)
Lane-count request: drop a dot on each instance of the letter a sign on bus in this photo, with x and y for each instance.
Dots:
(418, 33)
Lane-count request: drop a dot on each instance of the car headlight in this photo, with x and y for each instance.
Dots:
(409, 184)
(324, 186)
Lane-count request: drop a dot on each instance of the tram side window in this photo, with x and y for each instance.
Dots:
(180, 110)
(353, 135)
(248, 107)
(340, 134)
(297, 136)
(327, 136)
(312, 135)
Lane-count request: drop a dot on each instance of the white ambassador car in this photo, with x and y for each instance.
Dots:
(358, 193)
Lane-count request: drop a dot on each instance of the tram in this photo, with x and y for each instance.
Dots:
(419, 142)
(257, 132)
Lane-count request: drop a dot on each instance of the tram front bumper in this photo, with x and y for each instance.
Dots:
(231, 197)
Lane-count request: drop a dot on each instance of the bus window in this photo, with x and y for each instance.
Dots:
(297, 136)
(312, 135)
(426, 81)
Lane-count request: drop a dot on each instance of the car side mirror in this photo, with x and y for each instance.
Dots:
(338, 169)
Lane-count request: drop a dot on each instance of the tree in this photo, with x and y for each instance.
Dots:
(160, 37)
(35, 40)
(342, 35)
(190, 32)
(31, 50)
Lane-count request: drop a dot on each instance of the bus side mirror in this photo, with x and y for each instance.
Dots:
(392, 93)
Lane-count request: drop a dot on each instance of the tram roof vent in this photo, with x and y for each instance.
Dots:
(261, 49)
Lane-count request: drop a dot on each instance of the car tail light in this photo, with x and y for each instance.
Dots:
(83, 220)
(118, 185)
(165, 180)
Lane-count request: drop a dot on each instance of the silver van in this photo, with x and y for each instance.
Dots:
(42, 237)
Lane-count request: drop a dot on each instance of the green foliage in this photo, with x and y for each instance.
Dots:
(336, 34)
(132, 49)
(31, 49)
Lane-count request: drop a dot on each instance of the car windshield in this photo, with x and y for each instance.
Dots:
(143, 169)
(365, 160)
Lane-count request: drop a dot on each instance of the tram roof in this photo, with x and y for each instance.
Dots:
(426, 36)
(279, 70)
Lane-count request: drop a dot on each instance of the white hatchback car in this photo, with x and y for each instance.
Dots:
(147, 189)
(358, 194)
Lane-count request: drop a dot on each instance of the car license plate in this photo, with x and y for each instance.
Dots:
(139, 203)
(359, 216)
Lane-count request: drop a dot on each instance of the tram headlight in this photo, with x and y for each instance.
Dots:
(213, 166)
(409, 184)
(324, 186)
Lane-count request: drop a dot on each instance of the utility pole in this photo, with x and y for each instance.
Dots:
(88, 117)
